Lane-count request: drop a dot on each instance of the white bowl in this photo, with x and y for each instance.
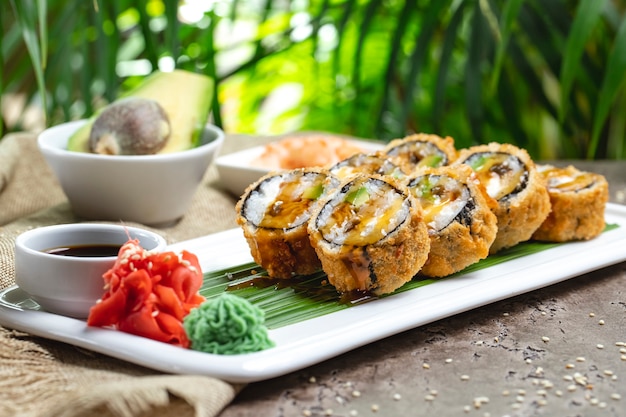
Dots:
(154, 190)
(237, 171)
(71, 285)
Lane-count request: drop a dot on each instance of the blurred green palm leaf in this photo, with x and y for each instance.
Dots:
(612, 83)
(586, 18)
(547, 75)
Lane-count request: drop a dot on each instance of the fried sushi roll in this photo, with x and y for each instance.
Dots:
(274, 213)
(421, 150)
(366, 163)
(458, 214)
(510, 177)
(369, 235)
(578, 201)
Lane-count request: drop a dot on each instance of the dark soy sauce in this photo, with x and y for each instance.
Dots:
(311, 288)
(84, 251)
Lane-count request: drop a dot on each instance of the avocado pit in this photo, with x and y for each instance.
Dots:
(131, 126)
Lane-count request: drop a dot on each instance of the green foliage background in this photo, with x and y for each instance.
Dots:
(547, 75)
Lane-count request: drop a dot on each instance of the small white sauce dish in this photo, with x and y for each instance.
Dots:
(154, 190)
(71, 285)
(237, 170)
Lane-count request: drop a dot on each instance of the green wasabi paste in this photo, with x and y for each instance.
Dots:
(227, 325)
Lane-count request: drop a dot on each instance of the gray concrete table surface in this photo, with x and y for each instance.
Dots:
(556, 351)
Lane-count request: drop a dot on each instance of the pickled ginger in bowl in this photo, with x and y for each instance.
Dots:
(240, 169)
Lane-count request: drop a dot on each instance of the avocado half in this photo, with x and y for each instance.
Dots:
(186, 98)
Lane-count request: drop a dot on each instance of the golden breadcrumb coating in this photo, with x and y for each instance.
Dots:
(421, 149)
(280, 247)
(467, 238)
(366, 163)
(375, 265)
(578, 200)
(521, 211)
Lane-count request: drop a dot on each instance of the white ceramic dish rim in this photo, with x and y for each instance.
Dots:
(312, 341)
(58, 145)
(22, 239)
(236, 171)
(70, 285)
(242, 159)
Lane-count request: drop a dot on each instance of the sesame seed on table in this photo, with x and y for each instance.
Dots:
(559, 350)
(555, 351)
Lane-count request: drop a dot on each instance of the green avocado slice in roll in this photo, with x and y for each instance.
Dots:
(369, 235)
(510, 177)
(274, 213)
(458, 214)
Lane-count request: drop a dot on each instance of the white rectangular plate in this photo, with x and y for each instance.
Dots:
(236, 170)
(315, 340)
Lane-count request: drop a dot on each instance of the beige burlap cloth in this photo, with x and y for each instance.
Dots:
(39, 377)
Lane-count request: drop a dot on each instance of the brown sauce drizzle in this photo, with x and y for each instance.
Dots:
(358, 265)
(355, 297)
(256, 282)
(314, 286)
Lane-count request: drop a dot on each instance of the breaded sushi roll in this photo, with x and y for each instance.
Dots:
(458, 214)
(369, 235)
(421, 150)
(578, 201)
(366, 163)
(274, 213)
(510, 177)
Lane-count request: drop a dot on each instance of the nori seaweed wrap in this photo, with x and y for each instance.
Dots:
(510, 177)
(274, 213)
(421, 150)
(369, 235)
(458, 214)
(578, 201)
(366, 163)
